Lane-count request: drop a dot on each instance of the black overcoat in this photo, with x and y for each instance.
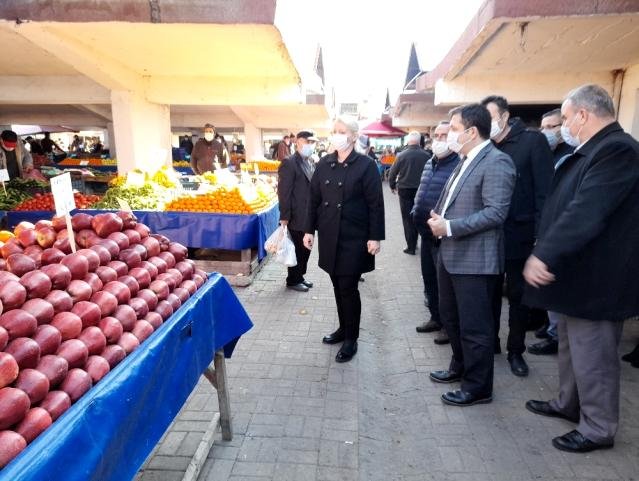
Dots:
(346, 208)
(293, 191)
(589, 231)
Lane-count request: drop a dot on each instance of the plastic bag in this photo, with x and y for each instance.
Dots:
(280, 244)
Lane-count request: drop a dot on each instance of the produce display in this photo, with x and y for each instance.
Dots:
(67, 319)
(94, 162)
(238, 199)
(45, 202)
(181, 163)
(263, 164)
(146, 197)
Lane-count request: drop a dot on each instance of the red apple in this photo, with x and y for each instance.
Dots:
(149, 297)
(20, 264)
(76, 383)
(12, 246)
(45, 237)
(35, 422)
(159, 263)
(59, 223)
(114, 354)
(168, 258)
(25, 351)
(106, 301)
(22, 226)
(74, 351)
(160, 288)
(18, 323)
(34, 383)
(97, 367)
(140, 307)
(48, 338)
(182, 294)
(81, 221)
(8, 369)
(133, 235)
(35, 253)
(141, 250)
(131, 283)
(154, 319)
(12, 294)
(94, 282)
(51, 256)
(119, 267)
(56, 403)
(120, 238)
(105, 224)
(186, 269)
(92, 257)
(14, 404)
(142, 229)
(119, 290)
(111, 328)
(88, 312)
(126, 315)
(94, 339)
(8, 276)
(151, 268)
(11, 444)
(60, 275)
(40, 309)
(111, 246)
(106, 274)
(54, 367)
(79, 291)
(4, 338)
(87, 238)
(60, 300)
(142, 330)
(77, 264)
(130, 257)
(142, 276)
(128, 342)
(103, 254)
(128, 219)
(164, 309)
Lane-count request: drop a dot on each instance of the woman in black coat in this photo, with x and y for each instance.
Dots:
(346, 208)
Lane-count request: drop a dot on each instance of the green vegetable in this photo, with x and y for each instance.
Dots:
(12, 198)
(139, 198)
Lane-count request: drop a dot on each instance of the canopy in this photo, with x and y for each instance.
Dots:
(379, 129)
(38, 129)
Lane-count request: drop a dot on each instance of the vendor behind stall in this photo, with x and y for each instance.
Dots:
(207, 151)
(13, 156)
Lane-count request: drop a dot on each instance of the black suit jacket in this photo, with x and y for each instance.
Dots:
(293, 191)
(589, 231)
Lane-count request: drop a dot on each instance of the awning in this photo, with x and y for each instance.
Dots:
(379, 129)
(38, 129)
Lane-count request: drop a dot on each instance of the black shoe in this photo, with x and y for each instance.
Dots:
(544, 348)
(307, 284)
(410, 252)
(441, 338)
(542, 333)
(632, 357)
(346, 352)
(445, 377)
(430, 326)
(517, 365)
(463, 398)
(545, 409)
(575, 442)
(334, 337)
(301, 287)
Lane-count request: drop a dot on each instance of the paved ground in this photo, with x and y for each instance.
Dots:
(300, 416)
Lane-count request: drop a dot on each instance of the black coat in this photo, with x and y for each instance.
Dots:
(589, 231)
(534, 164)
(346, 209)
(293, 192)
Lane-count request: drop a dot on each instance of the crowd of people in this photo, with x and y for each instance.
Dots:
(545, 217)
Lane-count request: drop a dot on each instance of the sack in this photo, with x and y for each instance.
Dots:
(280, 244)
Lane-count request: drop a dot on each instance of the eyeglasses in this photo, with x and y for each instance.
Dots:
(550, 126)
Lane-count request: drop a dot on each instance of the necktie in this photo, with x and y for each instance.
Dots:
(451, 180)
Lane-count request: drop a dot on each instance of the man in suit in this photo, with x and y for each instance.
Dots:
(468, 220)
(293, 191)
(584, 266)
(532, 157)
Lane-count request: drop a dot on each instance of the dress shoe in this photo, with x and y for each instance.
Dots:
(346, 352)
(410, 252)
(444, 377)
(542, 333)
(441, 338)
(307, 284)
(545, 409)
(575, 442)
(301, 287)
(632, 357)
(463, 398)
(517, 365)
(334, 337)
(430, 326)
(544, 348)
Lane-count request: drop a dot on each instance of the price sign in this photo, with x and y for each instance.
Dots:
(62, 194)
(245, 177)
(4, 175)
(124, 205)
(84, 162)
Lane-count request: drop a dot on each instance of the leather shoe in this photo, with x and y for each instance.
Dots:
(545, 409)
(542, 332)
(441, 338)
(575, 442)
(301, 287)
(430, 326)
(544, 348)
(307, 284)
(334, 337)
(410, 252)
(444, 377)
(517, 365)
(463, 398)
(346, 352)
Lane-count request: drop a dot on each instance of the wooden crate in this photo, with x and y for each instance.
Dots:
(238, 267)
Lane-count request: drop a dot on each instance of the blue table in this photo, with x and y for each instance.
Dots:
(194, 229)
(112, 169)
(109, 432)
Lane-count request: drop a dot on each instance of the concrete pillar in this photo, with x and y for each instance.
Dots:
(142, 132)
(253, 142)
(109, 140)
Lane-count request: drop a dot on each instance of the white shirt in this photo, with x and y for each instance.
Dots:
(465, 163)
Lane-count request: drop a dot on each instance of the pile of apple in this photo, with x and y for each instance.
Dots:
(67, 319)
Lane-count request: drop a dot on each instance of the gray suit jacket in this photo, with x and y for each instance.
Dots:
(477, 211)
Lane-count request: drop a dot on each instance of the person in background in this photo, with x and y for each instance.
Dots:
(293, 191)
(97, 147)
(404, 178)
(584, 267)
(13, 156)
(434, 177)
(34, 146)
(533, 160)
(283, 149)
(371, 152)
(48, 144)
(76, 145)
(187, 144)
(207, 151)
(468, 220)
(551, 128)
(346, 209)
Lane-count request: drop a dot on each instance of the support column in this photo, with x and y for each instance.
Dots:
(253, 145)
(109, 140)
(142, 132)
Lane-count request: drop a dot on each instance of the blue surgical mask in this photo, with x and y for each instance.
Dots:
(552, 138)
(307, 150)
(571, 140)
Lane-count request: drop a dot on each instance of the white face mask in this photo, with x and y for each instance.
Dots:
(208, 136)
(307, 150)
(452, 139)
(552, 138)
(495, 128)
(340, 141)
(440, 148)
(571, 140)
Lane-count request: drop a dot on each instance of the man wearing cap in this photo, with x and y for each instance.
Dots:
(13, 156)
(207, 151)
(293, 191)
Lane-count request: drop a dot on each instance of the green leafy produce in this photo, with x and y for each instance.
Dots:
(147, 197)
(12, 198)
(20, 183)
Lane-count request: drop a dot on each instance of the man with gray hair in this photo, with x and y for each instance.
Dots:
(583, 268)
(404, 178)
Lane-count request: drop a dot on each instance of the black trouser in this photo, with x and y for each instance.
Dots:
(518, 314)
(349, 304)
(428, 256)
(296, 273)
(406, 201)
(465, 306)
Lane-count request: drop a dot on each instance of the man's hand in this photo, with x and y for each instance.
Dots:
(308, 241)
(373, 247)
(28, 168)
(536, 272)
(284, 222)
(437, 224)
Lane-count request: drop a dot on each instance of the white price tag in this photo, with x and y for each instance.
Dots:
(124, 205)
(84, 162)
(256, 168)
(245, 177)
(4, 175)
(62, 194)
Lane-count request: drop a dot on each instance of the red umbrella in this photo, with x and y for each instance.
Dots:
(379, 129)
